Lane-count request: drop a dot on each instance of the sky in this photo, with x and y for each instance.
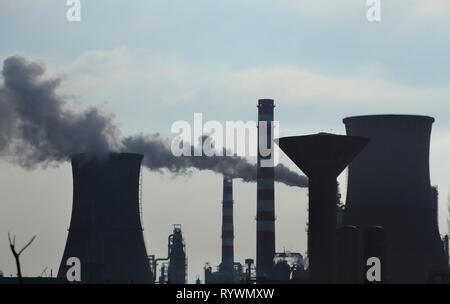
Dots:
(154, 62)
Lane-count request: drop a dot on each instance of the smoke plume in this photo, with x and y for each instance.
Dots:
(37, 128)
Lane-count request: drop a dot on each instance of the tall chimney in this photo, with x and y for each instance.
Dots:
(227, 265)
(265, 206)
(105, 231)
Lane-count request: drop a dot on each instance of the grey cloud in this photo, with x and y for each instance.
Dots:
(37, 128)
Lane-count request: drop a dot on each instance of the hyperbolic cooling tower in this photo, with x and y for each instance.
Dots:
(389, 186)
(227, 265)
(322, 157)
(265, 201)
(105, 231)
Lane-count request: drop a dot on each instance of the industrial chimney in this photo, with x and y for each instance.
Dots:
(105, 231)
(265, 206)
(389, 186)
(227, 265)
(322, 157)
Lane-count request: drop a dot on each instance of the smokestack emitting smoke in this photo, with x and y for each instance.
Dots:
(37, 128)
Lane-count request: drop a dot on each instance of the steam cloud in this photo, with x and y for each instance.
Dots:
(37, 128)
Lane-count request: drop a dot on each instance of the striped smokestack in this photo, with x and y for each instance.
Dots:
(227, 227)
(265, 206)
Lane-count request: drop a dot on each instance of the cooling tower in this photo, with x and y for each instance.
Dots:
(322, 157)
(265, 204)
(389, 186)
(227, 265)
(105, 231)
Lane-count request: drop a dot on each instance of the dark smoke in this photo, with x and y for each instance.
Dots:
(37, 128)
(159, 156)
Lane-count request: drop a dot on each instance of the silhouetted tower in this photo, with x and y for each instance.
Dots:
(105, 228)
(389, 186)
(227, 265)
(265, 205)
(177, 257)
(322, 157)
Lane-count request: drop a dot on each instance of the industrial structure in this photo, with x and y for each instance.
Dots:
(348, 255)
(228, 271)
(289, 267)
(374, 247)
(105, 231)
(265, 201)
(445, 241)
(389, 186)
(173, 268)
(391, 213)
(227, 265)
(177, 271)
(322, 157)
(239, 275)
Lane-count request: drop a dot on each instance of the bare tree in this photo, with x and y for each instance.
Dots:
(12, 245)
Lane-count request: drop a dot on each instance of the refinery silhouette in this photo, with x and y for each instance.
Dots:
(388, 225)
(387, 157)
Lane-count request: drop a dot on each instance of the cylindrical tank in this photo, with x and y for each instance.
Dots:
(348, 256)
(105, 231)
(389, 186)
(374, 247)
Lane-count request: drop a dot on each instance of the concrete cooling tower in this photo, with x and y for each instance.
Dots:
(105, 231)
(389, 186)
